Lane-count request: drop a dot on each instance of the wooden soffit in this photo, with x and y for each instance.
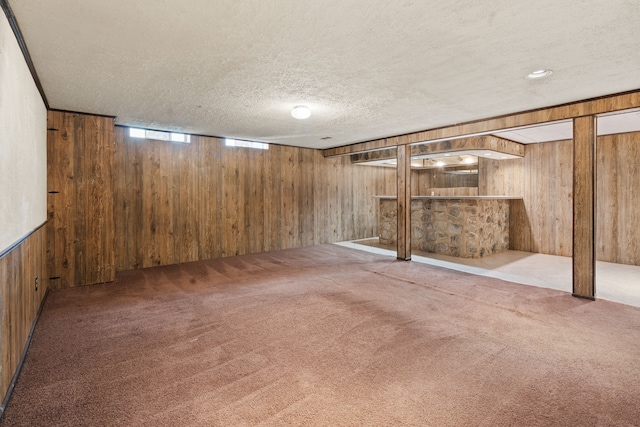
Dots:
(487, 142)
(606, 104)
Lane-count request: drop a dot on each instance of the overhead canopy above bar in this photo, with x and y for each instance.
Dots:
(476, 145)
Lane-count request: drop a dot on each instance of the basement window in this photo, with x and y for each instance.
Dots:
(249, 144)
(159, 135)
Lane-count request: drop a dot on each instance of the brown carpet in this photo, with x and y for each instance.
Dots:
(326, 336)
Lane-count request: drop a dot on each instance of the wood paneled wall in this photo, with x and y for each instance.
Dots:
(542, 222)
(20, 300)
(186, 202)
(80, 241)
(423, 181)
(618, 198)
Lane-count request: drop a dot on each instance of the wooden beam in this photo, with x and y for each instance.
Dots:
(584, 206)
(404, 203)
(486, 142)
(366, 146)
(369, 156)
(606, 104)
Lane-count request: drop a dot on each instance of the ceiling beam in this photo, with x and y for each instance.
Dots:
(487, 142)
(606, 104)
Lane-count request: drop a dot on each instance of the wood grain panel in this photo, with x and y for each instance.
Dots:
(186, 202)
(80, 150)
(618, 194)
(584, 204)
(542, 221)
(487, 142)
(500, 177)
(404, 203)
(441, 183)
(601, 105)
(20, 301)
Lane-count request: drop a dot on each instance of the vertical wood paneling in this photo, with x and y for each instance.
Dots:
(584, 203)
(542, 221)
(19, 300)
(404, 202)
(500, 177)
(80, 151)
(618, 207)
(184, 202)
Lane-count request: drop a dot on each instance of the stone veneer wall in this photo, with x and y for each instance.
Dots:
(467, 228)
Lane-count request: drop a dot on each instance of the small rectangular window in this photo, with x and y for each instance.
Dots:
(159, 135)
(180, 137)
(136, 133)
(249, 144)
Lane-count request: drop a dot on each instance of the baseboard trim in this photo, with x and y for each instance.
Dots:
(14, 380)
(584, 297)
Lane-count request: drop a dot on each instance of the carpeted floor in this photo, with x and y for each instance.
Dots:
(326, 336)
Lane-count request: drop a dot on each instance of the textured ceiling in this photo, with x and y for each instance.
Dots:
(367, 68)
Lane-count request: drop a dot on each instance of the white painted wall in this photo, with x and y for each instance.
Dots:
(23, 144)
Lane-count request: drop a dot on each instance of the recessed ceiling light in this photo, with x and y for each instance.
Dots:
(440, 164)
(469, 160)
(300, 112)
(539, 74)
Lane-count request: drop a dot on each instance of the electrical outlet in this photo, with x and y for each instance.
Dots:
(36, 283)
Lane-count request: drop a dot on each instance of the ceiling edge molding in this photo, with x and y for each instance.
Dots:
(23, 47)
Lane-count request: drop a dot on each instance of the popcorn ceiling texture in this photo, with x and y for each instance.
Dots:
(466, 228)
(366, 69)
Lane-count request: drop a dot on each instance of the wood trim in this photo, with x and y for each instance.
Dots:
(404, 203)
(19, 242)
(487, 142)
(584, 206)
(369, 156)
(593, 106)
(23, 47)
(82, 113)
(16, 375)
(23, 285)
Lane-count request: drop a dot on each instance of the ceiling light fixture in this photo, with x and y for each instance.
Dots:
(539, 74)
(300, 112)
(440, 164)
(469, 160)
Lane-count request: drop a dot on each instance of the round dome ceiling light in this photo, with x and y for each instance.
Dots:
(539, 74)
(300, 112)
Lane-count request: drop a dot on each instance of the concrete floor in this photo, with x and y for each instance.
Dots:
(614, 282)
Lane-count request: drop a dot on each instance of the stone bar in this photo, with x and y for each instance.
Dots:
(466, 227)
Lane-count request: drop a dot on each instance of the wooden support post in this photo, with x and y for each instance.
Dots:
(404, 202)
(584, 206)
